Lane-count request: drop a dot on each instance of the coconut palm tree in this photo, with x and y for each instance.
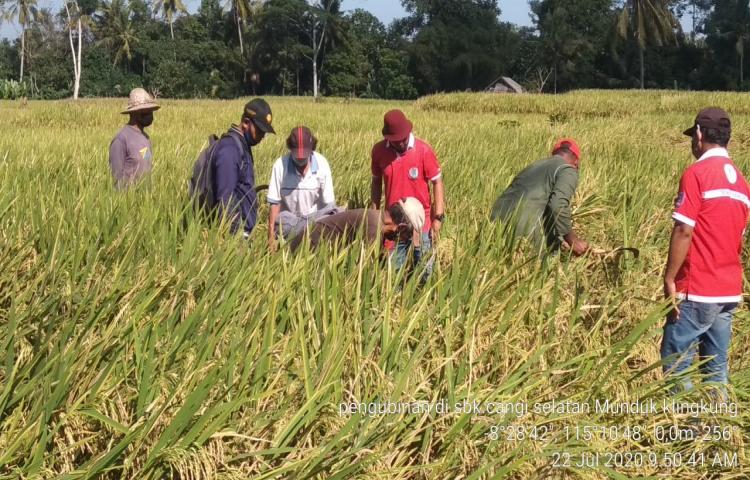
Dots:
(168, 9)
(742, 32)
(242, 10)
(648, 22)
(116, 30)
(325, 31)
(24, 12)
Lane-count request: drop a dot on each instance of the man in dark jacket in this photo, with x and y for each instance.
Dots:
(539, 200)
(234, 173)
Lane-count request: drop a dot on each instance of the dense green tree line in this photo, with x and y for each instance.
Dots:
(229, 48)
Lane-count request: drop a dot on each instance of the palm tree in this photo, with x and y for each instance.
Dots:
(742, 32)
(24, 12)
(116, 30)
(325, 30)
(242, 10)
(649, 22)
(169, 8)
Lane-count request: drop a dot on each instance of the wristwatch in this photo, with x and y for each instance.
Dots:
(440, 218)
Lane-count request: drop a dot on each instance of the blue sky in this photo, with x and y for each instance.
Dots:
(515, 11)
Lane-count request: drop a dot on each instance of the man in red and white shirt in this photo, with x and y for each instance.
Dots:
(704, 271)
(407, 166)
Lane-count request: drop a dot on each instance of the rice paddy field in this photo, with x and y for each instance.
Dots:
(138, 342)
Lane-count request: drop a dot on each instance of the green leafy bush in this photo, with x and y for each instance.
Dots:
(12, 89)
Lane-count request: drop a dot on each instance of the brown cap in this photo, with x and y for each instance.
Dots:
(396, 126)
(301, 142)
(712, 117)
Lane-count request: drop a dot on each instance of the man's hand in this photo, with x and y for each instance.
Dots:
(670, 293)
(580, 247)
(575, 244)
(435, 230)
(272, 245)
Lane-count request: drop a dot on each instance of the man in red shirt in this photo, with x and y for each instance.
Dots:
(407, 166)
(704, 271)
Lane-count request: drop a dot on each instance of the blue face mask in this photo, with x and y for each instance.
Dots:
(300, 162)
(250, 140)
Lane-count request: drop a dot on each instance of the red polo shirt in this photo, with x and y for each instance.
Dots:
(714, 199)
(407, 175)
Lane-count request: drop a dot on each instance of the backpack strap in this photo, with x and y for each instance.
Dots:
(241, 145)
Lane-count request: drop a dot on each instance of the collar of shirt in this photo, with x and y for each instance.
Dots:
(714, 152)
(137, 129)
(236, 129)
(409, 145)
(292, 167)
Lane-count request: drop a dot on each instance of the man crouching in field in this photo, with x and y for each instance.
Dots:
(539, 200)
(402, 221)
(130, 155)
(704, 270)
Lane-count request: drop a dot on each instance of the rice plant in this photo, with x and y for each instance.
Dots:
(138, 342)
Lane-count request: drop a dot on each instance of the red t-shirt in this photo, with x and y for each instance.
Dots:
(714, 199)
(407, 175)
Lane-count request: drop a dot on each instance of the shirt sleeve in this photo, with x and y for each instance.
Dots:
(328, 195)
(226, 176)
(431, 166)
(377, 172)
(688, 202)
(274, 184)
(251, 199)
(117, 159)
(566, 182)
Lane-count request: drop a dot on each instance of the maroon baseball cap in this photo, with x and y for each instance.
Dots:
(396, 126)
(301, 142)
(712, 117)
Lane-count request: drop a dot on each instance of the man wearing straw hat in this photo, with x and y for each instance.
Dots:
(130, 154)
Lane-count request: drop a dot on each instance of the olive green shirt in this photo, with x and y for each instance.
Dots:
(539, 200)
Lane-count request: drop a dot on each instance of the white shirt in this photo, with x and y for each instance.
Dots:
(714, 152)
(409, 144)
(298, 194)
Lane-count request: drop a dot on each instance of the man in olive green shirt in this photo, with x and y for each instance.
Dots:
(539, 199)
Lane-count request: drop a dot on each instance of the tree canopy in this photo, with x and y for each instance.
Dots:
(230, 48)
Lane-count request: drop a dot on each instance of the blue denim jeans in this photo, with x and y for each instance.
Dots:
(707, 326)
(400, 255)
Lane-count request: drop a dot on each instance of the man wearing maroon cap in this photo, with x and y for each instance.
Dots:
(538, 200)
(704, 270)
(301, 187)
(407, 166)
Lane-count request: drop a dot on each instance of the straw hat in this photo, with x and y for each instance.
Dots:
(414, 212)
(140, 100)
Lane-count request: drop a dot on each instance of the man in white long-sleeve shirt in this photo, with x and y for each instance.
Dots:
(301, 188)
